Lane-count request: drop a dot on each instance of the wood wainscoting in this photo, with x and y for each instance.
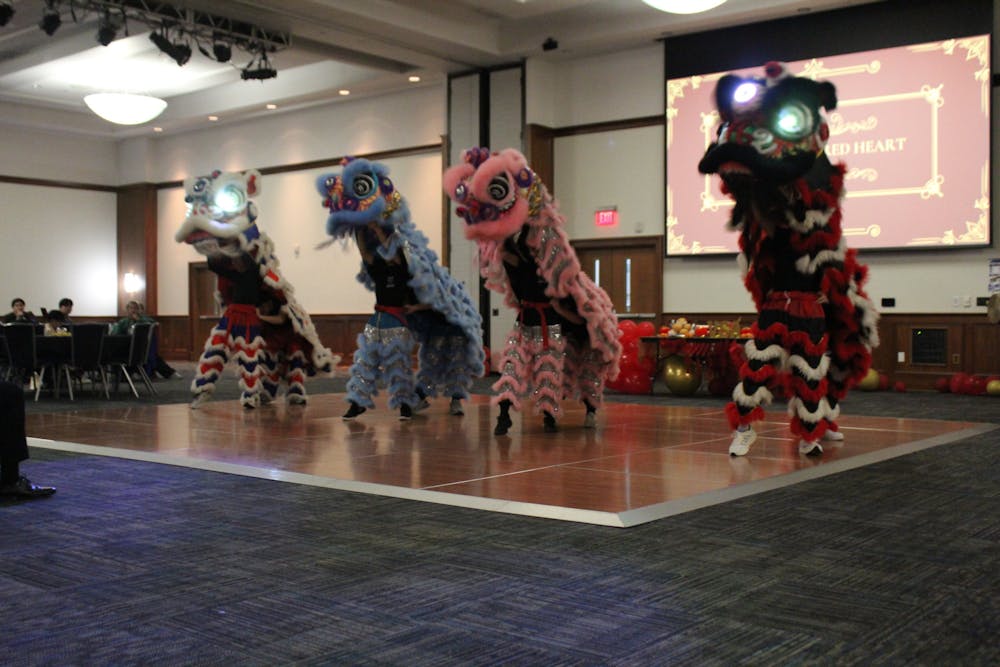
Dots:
(338, 332)
(967, 343)
(960, 343)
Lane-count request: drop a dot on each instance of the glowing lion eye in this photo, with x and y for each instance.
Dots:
(364, 185)
(229, 199)
(499, 188)
(793, 121)
(745, 92)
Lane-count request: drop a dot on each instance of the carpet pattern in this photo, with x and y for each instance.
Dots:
(136, 563)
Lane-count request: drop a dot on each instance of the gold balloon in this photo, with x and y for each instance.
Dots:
(993, 387)
(682, 378)
(870, 381)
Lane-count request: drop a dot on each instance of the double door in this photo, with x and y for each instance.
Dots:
(630, 270)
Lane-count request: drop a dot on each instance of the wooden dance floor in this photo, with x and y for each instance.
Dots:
(643, 462)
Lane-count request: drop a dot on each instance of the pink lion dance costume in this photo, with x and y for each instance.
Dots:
(221, 225)
(565, 342)
(816, 326)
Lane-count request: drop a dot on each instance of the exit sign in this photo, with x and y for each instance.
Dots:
(606, 217)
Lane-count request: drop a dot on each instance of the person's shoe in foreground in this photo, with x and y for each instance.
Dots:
(455, 407)
(24, 488)
(742, 441)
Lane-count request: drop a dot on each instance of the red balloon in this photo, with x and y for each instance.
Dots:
(942, 385)
(883, 381)
(957, 382)
(646, 329)
(977, 385)
(899, 386)
(626, 326)
(636, 382)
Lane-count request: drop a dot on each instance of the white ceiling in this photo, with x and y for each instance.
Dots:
(368, 47)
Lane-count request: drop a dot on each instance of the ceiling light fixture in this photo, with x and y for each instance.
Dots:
(6, 13)
(125, 108)
(50, 20)
(413, 78)
(684, 6)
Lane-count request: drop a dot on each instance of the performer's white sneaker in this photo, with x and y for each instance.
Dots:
(833, 436)
(807, 448)
(742, 440)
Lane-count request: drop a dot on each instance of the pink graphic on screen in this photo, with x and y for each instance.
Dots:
(912, 126)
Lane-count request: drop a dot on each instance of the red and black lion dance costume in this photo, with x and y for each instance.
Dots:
(816, 327)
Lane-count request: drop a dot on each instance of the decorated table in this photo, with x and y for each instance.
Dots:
(687, 362)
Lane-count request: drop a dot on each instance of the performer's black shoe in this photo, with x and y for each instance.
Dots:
(503, 424)
(352, 412)
(23, 488)
(549, 423)
(405, 413)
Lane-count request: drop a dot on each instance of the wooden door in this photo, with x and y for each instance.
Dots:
(203, 310)
(630, 271)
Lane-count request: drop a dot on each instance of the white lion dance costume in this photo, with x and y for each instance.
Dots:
(221, 225)
(565, 342)
(816, 326)
(415, 296)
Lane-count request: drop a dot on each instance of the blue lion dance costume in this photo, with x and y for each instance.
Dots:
(417, 301)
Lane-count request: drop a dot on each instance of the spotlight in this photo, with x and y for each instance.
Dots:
(259, 74)
(263, 70)
(6, 13)
(181, 53)
(50, 21)
(222, 51)
(106, 31)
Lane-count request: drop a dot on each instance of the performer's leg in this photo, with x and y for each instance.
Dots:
(249, 356)
(761, 371)
(210, 365)
(547, 370)
(458, 376)
(514, 381)
(591, 385)
(397, 361)
(807, 384)
(362, 384)
(295, 377)
(270, 374)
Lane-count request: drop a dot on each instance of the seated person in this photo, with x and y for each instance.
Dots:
(134, 315)
(19, 314)
(66, 307)
(14, 446)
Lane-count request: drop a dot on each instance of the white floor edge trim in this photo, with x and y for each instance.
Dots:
(624, 519)
(662, 510)
(439, 497)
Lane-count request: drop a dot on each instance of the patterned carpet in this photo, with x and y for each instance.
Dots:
(134, 563)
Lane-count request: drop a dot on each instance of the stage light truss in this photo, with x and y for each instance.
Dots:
(209, 32)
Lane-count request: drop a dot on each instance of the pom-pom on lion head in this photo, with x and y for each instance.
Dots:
(772, 129)
(495, 194)
(220, 209)
(360, 194)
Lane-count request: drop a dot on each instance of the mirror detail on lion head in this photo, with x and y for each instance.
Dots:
(220, 210)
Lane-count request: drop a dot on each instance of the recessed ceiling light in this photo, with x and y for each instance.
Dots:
(684, 6)
(272, 106)
(344, 91)
(157, 129)
(413, 78)
(213, 118)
